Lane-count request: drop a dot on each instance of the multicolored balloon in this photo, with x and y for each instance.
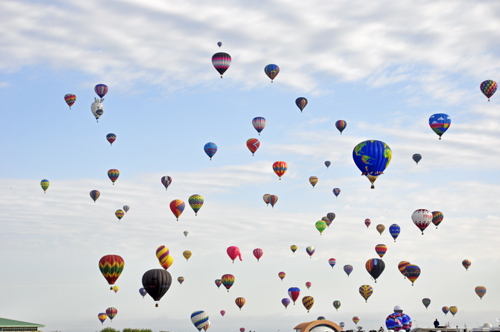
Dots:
(111, 138)
(126, 208)
(332, 262)
(177, 206)
(348, 269)
(372, 157)
(227, 280)
(417, 157)
(366, 291)
(218, 282)
(166, 181)
(240, 302)
(259, 123)
(272, 71)
(321, 318)
(221, 62)
(488, 88)
(266, 198)
(185, 233)
(258, 253)
(313, 180)
(380, 228)
(327, 163)
(207, 326)
(355, 319)
(102, 317)
(233, 252)
(293, 248)
(320, 226)
(426, 302)
(445, 310)
(412, 272)
(70, 100)
(422, 218)
(367, 222)
(308, 284)
(341, 124)
(94, 194)
(210, 149)
(310, 251)
(119, 214)
(375, 267)
(394, 229)
(199, 319)
(180, 280)
(45, 185)
(101, 90)
(253, 144)
(113, 175)
(381, 249)
(336, 305)
(111, 267)
(280, 168)
(285, 301)
(272, 200)
(282, 275)
(480, 291)
(402, 266)
(196, 202)
(163, 255)
(301, 102)
(331, 216)
(294, 293)
(308, 302)
(342, 324)
(111, 313)
(336, 192)
(440, 123)
(437, 218)
(466, 263)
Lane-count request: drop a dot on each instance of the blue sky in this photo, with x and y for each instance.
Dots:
(382, 67)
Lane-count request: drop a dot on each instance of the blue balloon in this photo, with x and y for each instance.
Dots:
(327, 163)
(210, 149)
(372, 157)
(440, 123)
(219, 44)
(342, 324)
(394, 230)
(143, 292)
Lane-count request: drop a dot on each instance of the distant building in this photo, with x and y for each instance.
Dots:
(18, 326)
(318, 326)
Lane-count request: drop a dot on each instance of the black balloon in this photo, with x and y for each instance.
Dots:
(156, 282)
(375, 267)
(417, 157)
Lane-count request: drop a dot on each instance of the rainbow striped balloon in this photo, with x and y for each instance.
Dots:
(111, 267)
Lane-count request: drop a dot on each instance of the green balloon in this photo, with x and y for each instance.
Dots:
(320, 226)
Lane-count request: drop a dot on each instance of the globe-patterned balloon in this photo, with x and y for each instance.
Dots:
(488, 88)
(372, 157)
(440, 123)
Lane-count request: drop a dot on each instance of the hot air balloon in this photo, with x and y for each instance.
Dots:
(488, 88)
(97, 108)
(336, 192)
(348, 269)
(327, 163)
(280, 167)
(412, 272)
(313, 180)
(45, 185)
(366, 291)
(327, 221)
(394, 229)
(126, 208)
(210, 149)
(308, 302)
(321, 318)
(143, 292)
(342, 324)
(466, 263)
(282, 275)
(380, 228)
(196, 202)
(440, 123)
(185, 233)
(445, 310)
(285, 301)
(437, 218)
(233, 252)
(480, 291)
(207, 326)
(180, 280)
(219, 44)
(355, 319)
(331, 216)
(272, 200)
(227, 280)
(402, 266)
(320, 226)
(381, 249)
(242, 329)
(417, 157)
(101, 90)
(187, 254)
(240, 302)
(156, 282)
(372, 158)
(294, 293)
(218, 282)
(258, 253)
(116, 288)
(113, 175)
(272, 71)
(111, 138)
(341, 124)
(111, 267)
(421, 218)
(453, 310)
(301, 102)
(102, 317)
(119, 214)
(367, 222)
(336, 305)
(266, 198)
(199, 319)
(375, 267)
(111, 313)
(310, 251)
(222, 313)
(164, 257)
(253, 144)
(293, 248)
(94, 194)
(259, 123)
(426, 301)
(308, 284)
(332, 262)
(177, 206)
(166, 181)
(221, 62)
(70, 100)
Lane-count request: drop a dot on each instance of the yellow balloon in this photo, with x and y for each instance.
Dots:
(186, 254)
(293, 248)
(167, 262)
(116, 288)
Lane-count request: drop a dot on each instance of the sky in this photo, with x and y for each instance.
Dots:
(383, 67)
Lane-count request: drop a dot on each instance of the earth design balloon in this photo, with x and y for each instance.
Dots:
(440, 123)
(372, 157)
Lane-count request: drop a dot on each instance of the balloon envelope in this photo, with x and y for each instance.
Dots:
(111, 313)
(233, 252)
(94, 194)
(375, 267)
(166, 181)
(348, 269)
(372, 157)
(221, 62)
(111, 267)
(437, 218)
(445, 310)
(272, 71)
(253, 144)
(199, 319)
(70, 99)
(301, 102)
(308, 302)
(488, 88)
(327, 163)
(394, 229)
(336, 305)
(380, 228)
(196, 202)
(156, 282)
(440, 123)
(210, 149)
(422, 218)
(417, 157)
(227, 280)
(313, 180)
(332, 262)
(101, 90)
(113, 175)
(44, 184)
(294, 293)
(111, 138)
(240, 302)
(285, 301)
(259, 123)
(177, 206)
(280, 168)
(366, 291)
(466, 263)
(341, 124)
(412, 272)
(310, 250)
(273, 199)
(282, 275)
(258, 253)
(426, 301)
(367, 222)
(480, 291)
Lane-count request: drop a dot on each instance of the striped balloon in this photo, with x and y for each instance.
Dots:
(402, 266)
(102, 317)
(221, 62)
(240, 302)
(199, 319)
(367, 222)
(480, 291)
(180, 280)
(341, 124)
(119, 214)
(412, 272)
(280, 168)
(258, 253)
(126, 208)
(273, 199)
(366, 291)
(196, 202)
(301, 103)
(272, 71)
(336, 305)
(101, 90)
(266, 198)
(161, 253)
(45, 185)
(166, 181)
(111, 312)
(259, 123)
(111, 267)
(113, 175)
(355, 319)
(466, 263)
(437, 218)
(218, 282)
(313, 180)
(177, 206)
(253, 144)
(348, 269)
(70, 100)
(381, 249)
(282, 275)
(227, 280)
(94, 194)
(294, 293)
(327, 221)
(310, 251)
(308, 302)
(332, 262)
